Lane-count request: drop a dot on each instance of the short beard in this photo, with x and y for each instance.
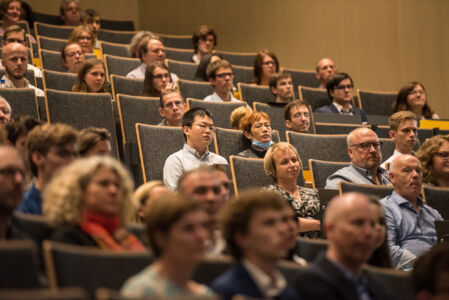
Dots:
(14, 76)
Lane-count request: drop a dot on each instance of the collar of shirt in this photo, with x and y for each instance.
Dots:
(195, 152)
(267, 286)
(401, 201)
(367, 173)
(340, 107)
(10, 84)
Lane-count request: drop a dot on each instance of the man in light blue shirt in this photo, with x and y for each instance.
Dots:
(409, 221)
(221, 78)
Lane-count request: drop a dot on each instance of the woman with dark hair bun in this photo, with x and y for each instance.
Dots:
(412, 97)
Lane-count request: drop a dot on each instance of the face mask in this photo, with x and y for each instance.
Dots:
(262, 145)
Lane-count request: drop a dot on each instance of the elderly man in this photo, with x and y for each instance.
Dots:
(349, 222)
(409, 221)
(15, 61)
(12, 178)
(297, 116)
(221, 78)
(5, 111)
(404, 133)
(70, 12)
(364, 152)
(282, 87)
(171, 107)
(325, 68)
(198, 128)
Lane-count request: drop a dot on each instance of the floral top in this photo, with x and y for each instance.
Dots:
(308, 207)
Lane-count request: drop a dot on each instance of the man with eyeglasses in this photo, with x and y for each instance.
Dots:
(297, 116)
(70, 12)
(366, 157)
(12, 179)
(410, 223)
(281, 86)
(16, 34)
(221, 78)
(171, 107)
(5, 111)
(49, 147)
(198, 129)
(340, 90)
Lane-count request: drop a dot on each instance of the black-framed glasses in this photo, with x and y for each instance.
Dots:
(204, 127)
(342, 87)
(443, 155)
(223, 75)
(367, 145)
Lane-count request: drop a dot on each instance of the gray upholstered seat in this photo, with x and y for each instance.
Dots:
(314, 96)
(248, 173)
(319, 146)
(337, 118)
(438, 198)
(242, 74)
(212, 267)
(114, 49)
(401, 281)
(220, 110)
(19, 260)
(303, 78)
(89, 267)
(22, 101)
(22, 24)
(52, 31)
(51, 60)
(377, 119)
(309, 249)
(194, 89)
(126, 85)
(179, 54)
(335, 128)
(380, 191)
(376, 103)
(52, 44)
(252, 93)
(156, 143)
(176, 41)
(276, 114)
(115, 36)
(61, 81)
(36, 226)
(82, 110)
(120, 65)
(47, 18)
(68, 293)
(387, 148)
(184, 70)
(239, 58)
(121, 25)
(321, 170)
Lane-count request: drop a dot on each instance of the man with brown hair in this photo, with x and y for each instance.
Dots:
(49, 147)
(404, 133)
(282, 87)
(171, 107)
(204, 41)
(297, 116)
(221, 78)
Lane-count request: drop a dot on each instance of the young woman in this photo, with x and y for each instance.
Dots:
(265, 65)
(157, 79)
(412, 97)
(94, 141)
(12, 12)
(84, 36)
(91, 77)
(434, 157)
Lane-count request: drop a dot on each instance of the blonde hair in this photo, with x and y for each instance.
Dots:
(143, 192)
(425, 155)
(63, 196)
(269, 164)
(237, 115)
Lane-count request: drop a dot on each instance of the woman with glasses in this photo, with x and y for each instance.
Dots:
(91, 77)
(72, 57)
(157, 79)
(256, 127)
(283, 164)
(412, 97)
(434, 157)
(265, 65)
(84, 36)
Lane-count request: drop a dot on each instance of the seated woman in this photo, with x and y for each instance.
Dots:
(89, 202)
(237, 116)
(204, 41)
(12, 12)
(256, 127)
(206, 60)
(133, 47)
(283, 164)
(412, 97)
(381, 255)
(94, 141)
(176, 229)
(84, 36)
(157, 79)
(434, 157)
(72, 57)
(145, 194)
(91, 77)
(265, 65)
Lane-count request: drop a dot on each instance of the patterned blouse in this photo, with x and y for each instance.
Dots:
(308, 207)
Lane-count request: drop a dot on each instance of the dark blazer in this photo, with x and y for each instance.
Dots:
(323, 280)
(73, 235)
(238, 281)
(331, 109)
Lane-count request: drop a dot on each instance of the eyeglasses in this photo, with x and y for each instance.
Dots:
(223, 75)
(160, 76)
(421, 92)
(266, 63)
(12, 171)
(72, 54)
(367, 145)
(342, 87)
(204, 127)
(85, 38)
(443, 155)
(11, 40)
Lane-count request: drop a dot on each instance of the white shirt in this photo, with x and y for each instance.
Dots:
(340, 108)
(267, 286)
(215, 98)
(396, 153)
(10, 84)
(37, 71)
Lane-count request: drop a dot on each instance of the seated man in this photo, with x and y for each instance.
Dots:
(204, 41)
(221, 78)
(171, 108)
(325, 68)
(15, 61)
(409, 221)
(404, 133)
(364, 152)
(12, 178)
(49, 147)
(282, 87)
(349, 222)
(297, 116)
(256, 231)
(150, 50)
(16, 34)
(5, 111)
(70, 12)
(339, 88)
(198, 128)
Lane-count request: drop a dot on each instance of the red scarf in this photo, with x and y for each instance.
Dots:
(107, 233)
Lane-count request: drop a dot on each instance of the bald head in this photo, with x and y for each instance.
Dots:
(364, 149)
(340, 205)
(325, 68)
(5, 111)
(15, 60)
(406, 176)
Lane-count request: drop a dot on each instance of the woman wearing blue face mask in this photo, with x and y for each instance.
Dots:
(256, 127)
